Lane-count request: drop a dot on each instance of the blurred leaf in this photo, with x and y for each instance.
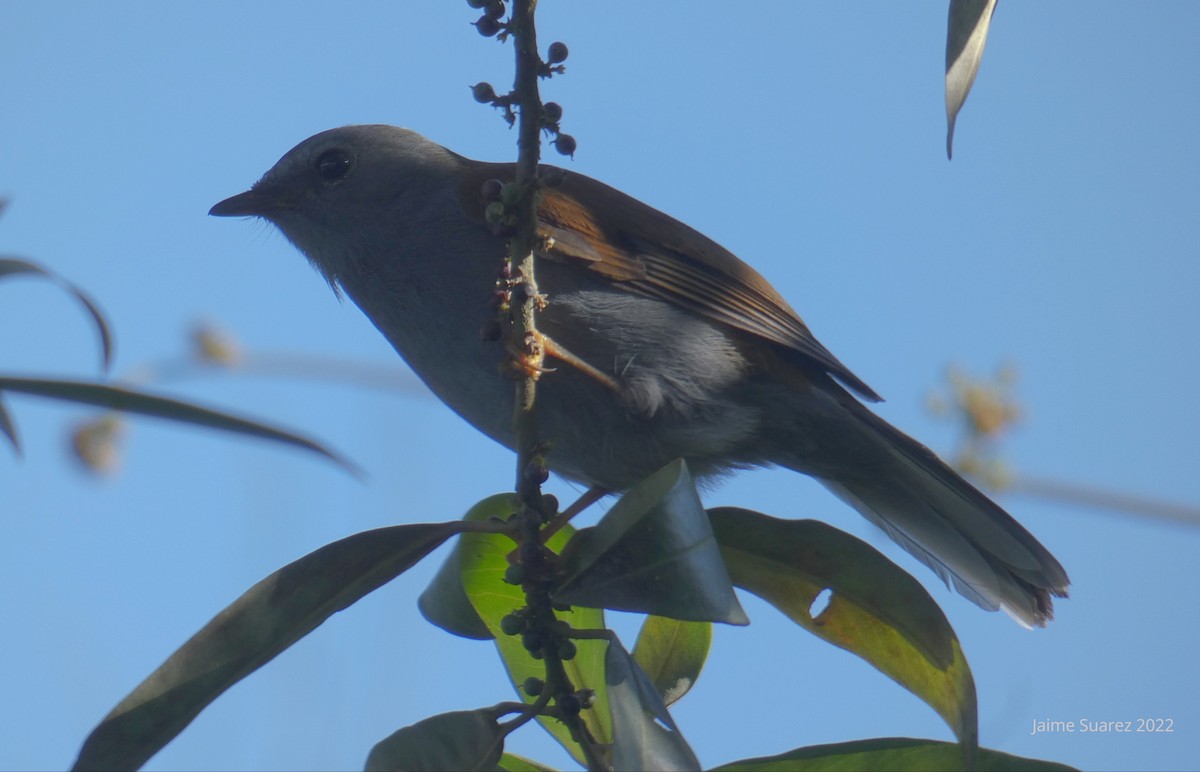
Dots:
(654, 553)
(672, 652)
(510, 762)
(966, 36)
(270, 617)
(12, 266)
(644, 734)
(876, 610)
(444, 603)
(466, 740)
(8, 428)
(129, 401)
(889, 754)
(483, 561)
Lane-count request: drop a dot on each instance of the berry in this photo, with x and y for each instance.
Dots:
(533, 686)
(494, 10)
(566, 650)
(487, 26)
(512, 624)
(514, 574)
(510, 193)
(491, 189)
(557, 53)
(494, 213)
(552, 111)
(483, 92)
(569, 704)
(565, 144)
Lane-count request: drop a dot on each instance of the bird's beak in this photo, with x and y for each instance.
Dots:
(252, 203)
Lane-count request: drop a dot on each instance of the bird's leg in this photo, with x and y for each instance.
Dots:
(555, 350)
(589, 497)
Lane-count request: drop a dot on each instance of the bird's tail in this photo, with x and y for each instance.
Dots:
(931, 511)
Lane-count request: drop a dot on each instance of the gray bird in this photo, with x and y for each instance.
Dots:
(670, 346)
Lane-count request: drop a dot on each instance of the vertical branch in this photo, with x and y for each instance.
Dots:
(530, 466)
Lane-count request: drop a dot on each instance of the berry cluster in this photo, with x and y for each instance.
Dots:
(491, 24)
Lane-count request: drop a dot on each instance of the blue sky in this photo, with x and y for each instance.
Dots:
(807, 138)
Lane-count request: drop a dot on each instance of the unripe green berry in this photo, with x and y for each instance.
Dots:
(494, 213)
(510, 193)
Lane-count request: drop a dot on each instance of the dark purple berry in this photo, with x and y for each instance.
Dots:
(557, 53)
(565, 144)
(491, 189)
(487, 26)
(494, 10)
(483, 92)
(512, 624)
(536, 473)
(552, 111)
(569, 704)
(533, 686)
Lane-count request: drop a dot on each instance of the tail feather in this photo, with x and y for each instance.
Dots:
(940, 518)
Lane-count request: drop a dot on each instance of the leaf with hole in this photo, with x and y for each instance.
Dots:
(654, 553)
(672, 652)
(268, 618)
(644, 734)
(875, 610)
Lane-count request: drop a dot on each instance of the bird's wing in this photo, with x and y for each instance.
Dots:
(598, 228)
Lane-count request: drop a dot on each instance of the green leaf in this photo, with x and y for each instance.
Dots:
(511, 762)
(876, 610)
(654, 553)
(13, 266)
(889, 754)
(644, 734)
(483, 561)
(270, 617)
(444, 603)
(130, 401)
(466, 740)
(966, 35)
(672, 652)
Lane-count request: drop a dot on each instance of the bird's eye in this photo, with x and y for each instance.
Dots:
(333, 165)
